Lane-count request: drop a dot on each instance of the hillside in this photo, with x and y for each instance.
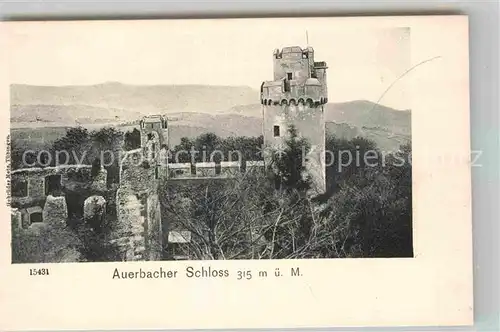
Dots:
(386, 140)
(140, 98)
(191, 111)
(358, 113)
(364, 113)
(195, 124)
(67, 115)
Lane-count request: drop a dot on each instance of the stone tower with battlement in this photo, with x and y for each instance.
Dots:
(297, 96)
(138, 196)
(154, 142)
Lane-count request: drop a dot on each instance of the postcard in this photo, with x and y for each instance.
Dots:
(236, 173)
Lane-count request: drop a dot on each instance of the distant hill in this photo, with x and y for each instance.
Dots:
(140, 98)
(224, 125)
(364, 113)
(358, 113)
(386, 140)
(191, 111)
(66, 115)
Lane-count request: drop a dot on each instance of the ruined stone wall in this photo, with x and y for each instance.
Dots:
(16, 218)
(136, 173)
(226, 170)
(55, 210)
(179, 170)
(230, 169)
(142, 227)
(130, 234)
(154, 227)
(205, 169)
(30, 197)
(71, 176)
(139, 218)
(138, 209)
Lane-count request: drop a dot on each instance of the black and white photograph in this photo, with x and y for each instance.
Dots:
(215, 173)
(160, 145)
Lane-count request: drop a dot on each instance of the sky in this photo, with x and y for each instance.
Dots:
(363, 62)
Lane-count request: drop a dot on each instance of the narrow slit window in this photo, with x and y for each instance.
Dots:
(276, 131)
(289, 76)
(286, 86)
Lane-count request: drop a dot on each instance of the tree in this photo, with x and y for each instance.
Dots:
(107, 145)
(181, 152)
(206, 144)
(15, 154)
(75, 146)
(225, 218)
(246, 148)
(289, 165)
(245, 217)
(350, 161)
(226, 149)
(132, 140)
(367, 213)
(372, 216)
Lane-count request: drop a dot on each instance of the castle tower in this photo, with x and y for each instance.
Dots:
(296, 96)
(154, 142)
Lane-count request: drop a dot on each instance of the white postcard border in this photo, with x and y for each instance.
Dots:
(434, 288)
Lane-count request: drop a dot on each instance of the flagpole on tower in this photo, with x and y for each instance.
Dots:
(307, 38)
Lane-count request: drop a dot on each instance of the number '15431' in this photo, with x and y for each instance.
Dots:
(39, 272)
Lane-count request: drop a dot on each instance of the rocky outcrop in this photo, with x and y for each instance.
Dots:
(94, 211)
(55, 210)
(99, 181)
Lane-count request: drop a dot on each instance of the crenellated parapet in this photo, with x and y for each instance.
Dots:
(298, 79)
(279, 93)
(310, 102)
(224, 169)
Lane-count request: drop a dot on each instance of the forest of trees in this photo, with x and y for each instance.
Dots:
(222, 149)
(366, 211)
(78, 146)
